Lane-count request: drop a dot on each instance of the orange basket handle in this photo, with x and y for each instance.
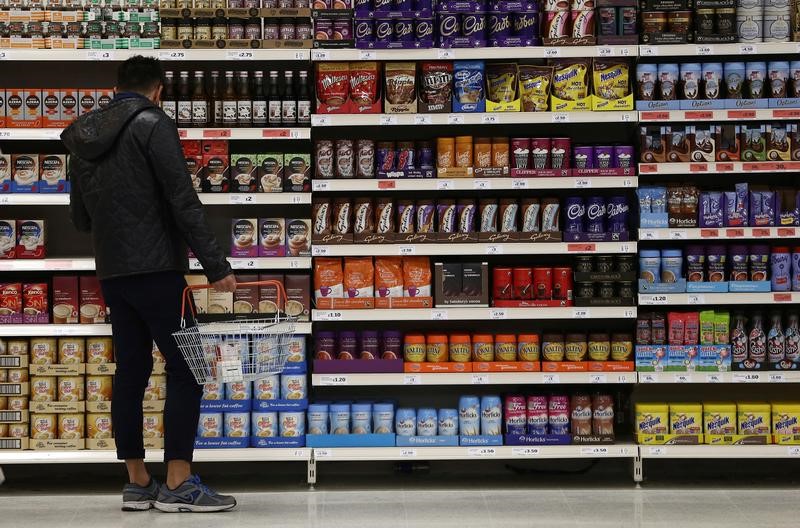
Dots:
(188, 290)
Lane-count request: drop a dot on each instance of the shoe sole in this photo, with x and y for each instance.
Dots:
(176, 507)
(131, 506)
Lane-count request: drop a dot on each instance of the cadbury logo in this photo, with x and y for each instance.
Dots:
(595, 211)
(473, 24)
(575, 211)
(363, 29)
(402, 29)
(524, 22)
(383, 30)
(448, 25)
(617, 209)
(499, 23)
(424, 29)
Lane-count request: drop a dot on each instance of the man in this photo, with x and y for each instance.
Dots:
(131, 189)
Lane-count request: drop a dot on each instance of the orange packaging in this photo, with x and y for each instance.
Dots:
(358, 277)
(482, 153)
(500, 152)
(505, 347)
(437, 348)
(328, 278)
(482, 347)
(460, 348)
(388, 277)
(414, 350)
(445, 152)
(51, 107)
(416, 277)
(528, 348)
(464, 151)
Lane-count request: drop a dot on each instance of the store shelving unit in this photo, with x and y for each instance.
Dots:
(677, 116)
(787, 376)
(703, 50)
(478, 118)
(154, 455)
(473, 378)
(475, 314)
(205, 198)
(735, 167)
(719, 451)
(87, 264)
(471, 184)
(678, 299)
(719, 233)
(88, 55)
(467, 453)
(488, 53)
(43, 134)
(61, 330)
(544, 248)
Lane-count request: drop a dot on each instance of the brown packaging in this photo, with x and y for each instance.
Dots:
(384, 215)
(435, 91)
(342, 216)
(726, 142)
(268, 295)
(400, 88)
(245, 298)
(298, 294)
(321, 216)
(65, 300)
(298, 237)
(92, 305)
(363, 216)
(652, 144)
(701, 143)
(678, 146)
(778, 145)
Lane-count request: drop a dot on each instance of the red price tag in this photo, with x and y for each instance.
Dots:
(275, 133)
(724, 167)
(183, 133)
(217, 133)
(648, 167)
(791, 114)
(734, 233)
(699, 115)
(581, 248)
(760, 232)
(709, 233)
(698, 167)
(387, 184)
(786, 231)
(782, 297)
(655, 116)
(741, 114)
(753, 166)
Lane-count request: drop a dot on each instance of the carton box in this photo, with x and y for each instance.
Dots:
(244, 237)
(220, 302)
(194, 164)
(296, 172)
(15, 108)
(298, 296)
(25, 173)
(464, 283)
(298, 237)
(778, 144)
(270, 172)
(65, 300)
(70, 108)
(200, 296)
(31, 237)
(653, 144)
(51, 108)
(53, 173)
(104, 97)
(33, 108)
(753, 142)
(35, 308)
(754, 418)
(719, 418)
(727, 142)
(10, 303)
(87, 101)
(244, 177)
(92, 305)
(246, 298)
(272, 237)
(269, 303)
(8, 239)
(214, 147)
(2, 109)
(217, 173)
(5, 173)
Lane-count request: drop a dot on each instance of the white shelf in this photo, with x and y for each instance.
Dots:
(282, 198)
(719, 451)
(722, 233)
(64, 55)
(719, 167)
(475, 314)
(471, 184)
(543, 248)
(184, 133)
(682, 299)
(87, 264)
(34, 199)
(473, 378)
(51, 330)
(342, 454)
(477, 118)
(154, 455)
(260, 263)
(525, 52)
(787, 376)
(661, 116)
(694, 50)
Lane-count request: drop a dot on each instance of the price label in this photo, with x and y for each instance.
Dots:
(323, 453)
(594, 451)
(785, 114)
(498, 313)
(648, 51)
(654, 299)
(328, 315)
(714, 378)
(67, 330)
(367, 55)
(405, 251)
(408, 453)
(482, 451)
(525, 451)
(412, 379)
(704, 50)
(5, 199)
(627, 182)
(297, 199)
(598, 378)
(645, 377)
(734, 233)
(294, 264)
(319, 251)
(195, 264)
(240, 55)
(301, 55)
(320, 120)
(100, 55)
(217, 133)
(626, 117)
(455, 119)
(648, 168)
(604, 51)
(439, 315)
(725, 167)
(648, 234)
(682, 378)
(793, 451)
(5, 55)
(241, 199)
(490, 119)
(299, 453)
(746, 377)
(698, 167)
(447, 54)
(787, 232)
(581, 313)
(709, 233)
(748, 49)
(172, 55)
(387, 120)
(695, 299)
(519, 183)
(583, 183)
(581, 248)
(782, 297)
(657, 451)
(777, 377)
(629, 313)
(445, 185)
(551, 379)
(423, 119)
(319, 185)
(481, 185)
(5, 134)
(243, 263)
(624, 51)
(625, 248)
(494, 249)
(560, 117)
(480, 379)
(552, 52)
(678, 234)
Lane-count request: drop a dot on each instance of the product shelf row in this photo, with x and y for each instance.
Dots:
(708, 299)
(64, 330)
(87, 264)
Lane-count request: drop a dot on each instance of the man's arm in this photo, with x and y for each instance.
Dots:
(166, 157)
(77, 209)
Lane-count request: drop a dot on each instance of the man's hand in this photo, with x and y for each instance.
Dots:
(228, 284)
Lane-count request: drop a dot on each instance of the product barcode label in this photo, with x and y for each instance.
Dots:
(243, 264)
(649, 51)
(705, 50)
(172, 55)
(100, 55)
(494, 249)
(648, 234)
(10, 389)
(10, 361)
(320, 55)
(240, 55)
(490, 119)
(714, 378)
(594, 451)
(405, 251)
(241, 199)
(605, 51)
(583, 183)
(695, 299)
(519, 183)
(581, 313)
(598, 378)
(629, 313)
(560, 117)
(447, 54)
(299, 453)
(657, 451)
(368, 55)
(748, 49)
(746, 377)
(10, 443)
(319, 251)
(455, 119)
(323, 453)
(5, 55)
(387, 120)
(793, 451)
(439, 315)
(298, 198)
(10, 416)
(445, 185)
(333, 380)
(320, 120)
(654, 299)
(328, 315)
(194, 264)
(682, 378)
(552, 52)
(408, 453)
(678, 234)
(481, 184)
(498, 313)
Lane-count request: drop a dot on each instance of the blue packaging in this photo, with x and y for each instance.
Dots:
(734, 79)
(405, 422)
(668, 75)
(690, 79)
(318, 417)
(383, 418)
(650, 265)
(712, 80)
(468, 83)
(361, 418)
(671, 265)
(491, 415)
(469, 415)
(448, 422)
(239, 390)
(340, 418)
(427, 422)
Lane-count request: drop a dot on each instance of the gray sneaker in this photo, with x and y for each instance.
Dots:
(137, 498)
(193, 496)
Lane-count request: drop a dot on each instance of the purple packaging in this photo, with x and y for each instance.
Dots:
(405, 155)
(526, 26)
(423, 31)
(324, 26)
(474, 25)
(617, 214)
(796, 270)
(348, 345)
(384, 30)
(406, 213)
(781, 269)
(382, 5)
(574, 211)
(402, 5)
(362, 6)
(695, 263)
(466, 216)
(537, 417)
(623, 156)
(425, 155)
(736, 206)
(404, 30)
(364, 30)
(343, 27)
(420, 5)
(607, 17)
(759, 259)
(628, 17)
(762, 208)
(583, 157)
(425, 213)
(716, 257)
(596, 214)
(711, 214)
(499, 25)
(384, 157)
(446, 216)
(449, 28)
(738, 257)
(368, 345)
(392, 344)
(325, 345)
(558, 415)
(603, 157)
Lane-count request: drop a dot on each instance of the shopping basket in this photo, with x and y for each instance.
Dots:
(238, 349)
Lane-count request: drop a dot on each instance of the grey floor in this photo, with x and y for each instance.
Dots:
(375, 496)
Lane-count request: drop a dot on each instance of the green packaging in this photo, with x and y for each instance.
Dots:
(722, 326)
(707, 321)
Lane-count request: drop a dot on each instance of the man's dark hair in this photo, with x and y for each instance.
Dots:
(139, 74)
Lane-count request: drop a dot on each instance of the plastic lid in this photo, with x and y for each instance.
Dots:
(622, 337)
(317, 407)
(483, 338)
(649, 253)
(361, 407)
(691, 66)
(505, 338)
(553, 337)
(437, 338)
(460, 338)
(599, 337)
(671, 253)
(383, 407)
(528, 338)
(576, 337)
(414, 339)
(340, 407)
(780, 249)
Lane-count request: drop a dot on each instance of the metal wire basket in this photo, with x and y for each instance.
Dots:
(235, 350)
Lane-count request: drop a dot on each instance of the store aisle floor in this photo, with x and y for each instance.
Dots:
(488, 508)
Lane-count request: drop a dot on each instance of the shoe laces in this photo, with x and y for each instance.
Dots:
(195, 479)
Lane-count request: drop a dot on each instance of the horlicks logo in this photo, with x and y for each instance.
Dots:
(492, 413)
(581, 413)
(525, 22)
(617, 209)
(499, 24)
(448, 26)
(565, 76)
(575, 211)
(595, 211)
(473, 24)
(401, 30)
(424, 29)
(363, 29)
(384, 30)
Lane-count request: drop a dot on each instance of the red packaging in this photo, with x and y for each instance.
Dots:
(562, 284)
(520, 153)
(523, 283)
(677, 328)
(65, 300)
(560, 153)
(363, 85)
(10, 303)
(92, 306)
(34, 304)
(502, 284)
(191, 147)
(542, 284)
(691, 328)
(214, 147)
(333, 86)
(540, 153)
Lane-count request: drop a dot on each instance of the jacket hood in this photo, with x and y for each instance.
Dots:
(95, 133)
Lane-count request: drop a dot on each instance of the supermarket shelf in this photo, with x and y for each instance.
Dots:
(783, 376)
(343, 454)
(87, 264)
(260, 263)
(473, 378)
(723, 233)
(206, 198)
(472, 184)
(694, 50)
(682, 299)
(54, 330)
(475, 314)
(719, 167)
(65, 55)
(184, 133)
(34, 199)
(527, 52)
(660, 116)
(543, 248)
(477, 118)
(719, 451)
(154, 455)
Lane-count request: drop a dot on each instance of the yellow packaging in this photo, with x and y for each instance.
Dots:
(686, 418)
(754, 418)
(786, 422)
(719, 418)
(571, 80)
(611, 80)
(652, 418)
(534, 87)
